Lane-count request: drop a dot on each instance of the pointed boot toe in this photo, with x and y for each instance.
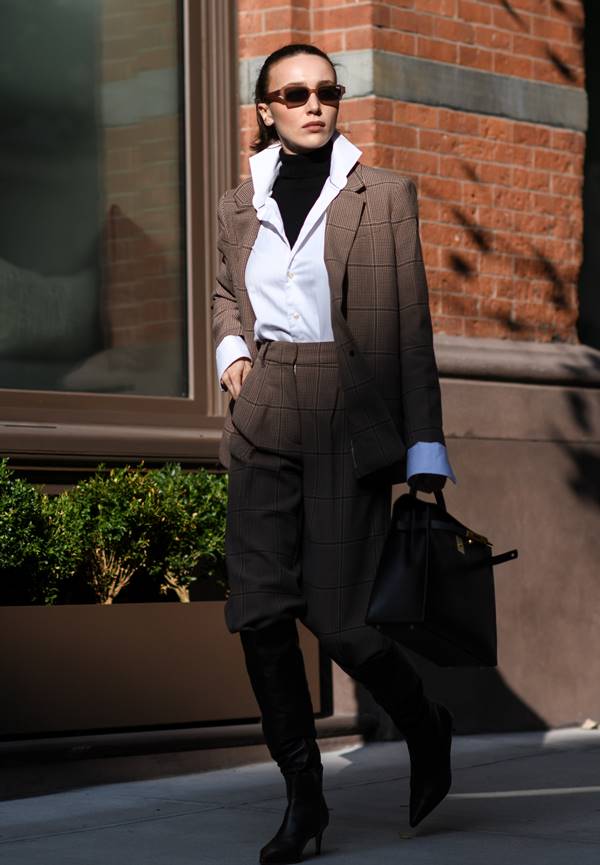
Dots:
(431, 775)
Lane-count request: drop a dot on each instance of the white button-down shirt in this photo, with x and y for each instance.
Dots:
(289, 287)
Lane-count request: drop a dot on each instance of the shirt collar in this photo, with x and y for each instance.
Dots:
(264, 166)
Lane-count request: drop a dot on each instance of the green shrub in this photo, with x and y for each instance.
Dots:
(190, 544)
(66, 552)
(24, 542)
(164, 525)
(106, 524)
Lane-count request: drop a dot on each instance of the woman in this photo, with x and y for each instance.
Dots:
(323, 338)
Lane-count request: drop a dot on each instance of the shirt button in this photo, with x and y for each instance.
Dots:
(290, 274)
(296, 315)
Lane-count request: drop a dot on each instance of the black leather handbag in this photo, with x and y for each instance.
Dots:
(434, 588)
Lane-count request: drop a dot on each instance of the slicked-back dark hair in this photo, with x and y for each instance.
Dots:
(267, 134)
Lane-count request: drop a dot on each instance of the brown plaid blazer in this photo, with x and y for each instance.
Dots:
(380, 312)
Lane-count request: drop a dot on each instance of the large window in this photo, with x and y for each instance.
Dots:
(117, 135)
(92, 281)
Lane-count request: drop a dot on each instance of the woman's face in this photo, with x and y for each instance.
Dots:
(290, 123)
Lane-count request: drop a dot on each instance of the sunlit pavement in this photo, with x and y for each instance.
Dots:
(516, 798)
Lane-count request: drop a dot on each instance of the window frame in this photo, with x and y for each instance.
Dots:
(65, 425)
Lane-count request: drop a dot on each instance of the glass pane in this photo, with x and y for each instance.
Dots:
(92, 242)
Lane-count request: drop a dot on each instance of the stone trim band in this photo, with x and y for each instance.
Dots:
(429, 82)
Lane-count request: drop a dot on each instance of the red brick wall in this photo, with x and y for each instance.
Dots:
(500, 200)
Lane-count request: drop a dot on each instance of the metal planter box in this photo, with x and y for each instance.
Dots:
(82, 668)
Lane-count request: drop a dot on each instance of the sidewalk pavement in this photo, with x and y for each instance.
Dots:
(522, 798)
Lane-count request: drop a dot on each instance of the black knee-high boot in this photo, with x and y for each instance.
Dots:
(426, 725)
(276, 669)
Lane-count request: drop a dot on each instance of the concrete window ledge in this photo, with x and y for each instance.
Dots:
(517, 360)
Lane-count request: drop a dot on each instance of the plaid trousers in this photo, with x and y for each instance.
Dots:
(303, 536)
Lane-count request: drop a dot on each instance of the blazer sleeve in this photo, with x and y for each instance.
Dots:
(225, 311)
(421, 397)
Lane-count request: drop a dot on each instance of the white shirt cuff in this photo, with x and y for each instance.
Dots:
(229, 349)
(428, 458)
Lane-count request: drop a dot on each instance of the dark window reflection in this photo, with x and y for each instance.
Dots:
(92, 279)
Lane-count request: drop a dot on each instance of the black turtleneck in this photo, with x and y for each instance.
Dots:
(299, 184)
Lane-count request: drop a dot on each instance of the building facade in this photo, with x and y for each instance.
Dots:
(134, 118)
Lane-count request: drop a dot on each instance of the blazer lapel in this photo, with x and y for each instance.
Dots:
(343, 218)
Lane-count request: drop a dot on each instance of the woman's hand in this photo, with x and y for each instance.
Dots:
(234, 375)
(427, 483)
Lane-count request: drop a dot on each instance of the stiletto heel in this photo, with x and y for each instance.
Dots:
(306, 816)
(276, 669)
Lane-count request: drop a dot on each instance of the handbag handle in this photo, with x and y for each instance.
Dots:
(498, 559)
(439, 497)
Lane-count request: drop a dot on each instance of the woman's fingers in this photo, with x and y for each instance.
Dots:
(245, 370)
(427, 483)
(234, 376)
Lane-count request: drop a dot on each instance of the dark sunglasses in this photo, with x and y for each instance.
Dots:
(294, 95)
